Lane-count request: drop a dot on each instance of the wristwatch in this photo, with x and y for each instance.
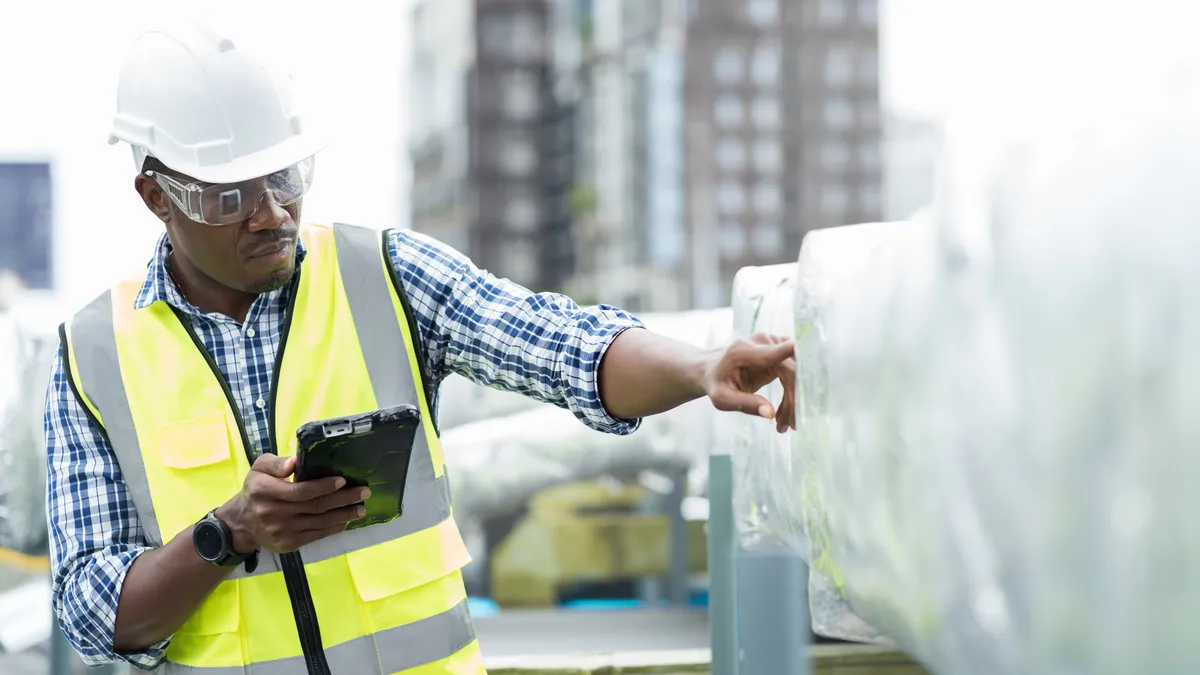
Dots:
(214, 542)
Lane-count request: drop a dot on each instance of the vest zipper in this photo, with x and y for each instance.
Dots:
(291, 563)
(305, 614)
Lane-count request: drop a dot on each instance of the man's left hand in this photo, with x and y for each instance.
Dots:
(746, 367)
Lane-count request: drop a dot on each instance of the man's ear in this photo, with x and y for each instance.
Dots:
(154, 196)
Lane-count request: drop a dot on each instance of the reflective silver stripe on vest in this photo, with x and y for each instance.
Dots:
(95, 345)
(386, 652)
(424, 506)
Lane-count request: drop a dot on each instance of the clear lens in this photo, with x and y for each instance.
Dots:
(227, 203)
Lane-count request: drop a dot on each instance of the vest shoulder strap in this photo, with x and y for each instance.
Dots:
(374, 246)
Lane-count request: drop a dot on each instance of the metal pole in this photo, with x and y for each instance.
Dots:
(722, 574)
(677, 586)
(773, 611)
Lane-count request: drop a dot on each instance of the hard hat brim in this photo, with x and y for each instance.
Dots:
(256, 165)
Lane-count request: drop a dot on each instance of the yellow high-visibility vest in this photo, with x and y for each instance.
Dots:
(372, 601)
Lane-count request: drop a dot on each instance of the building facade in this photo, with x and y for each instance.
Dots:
(640, 152)
(491, 147)
(783, 130)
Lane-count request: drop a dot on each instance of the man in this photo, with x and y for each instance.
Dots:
(178, 539)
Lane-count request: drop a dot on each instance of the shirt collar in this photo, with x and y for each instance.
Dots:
(159, 286)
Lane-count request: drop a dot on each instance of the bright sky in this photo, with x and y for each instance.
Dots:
(59, 61)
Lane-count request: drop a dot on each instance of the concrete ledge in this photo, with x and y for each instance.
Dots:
(836, 659)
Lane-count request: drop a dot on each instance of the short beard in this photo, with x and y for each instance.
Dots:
(276, 281)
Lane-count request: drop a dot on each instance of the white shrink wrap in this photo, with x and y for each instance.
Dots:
(761, 302)
(996, 455)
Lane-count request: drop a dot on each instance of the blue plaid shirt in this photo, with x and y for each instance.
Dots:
(469, 322)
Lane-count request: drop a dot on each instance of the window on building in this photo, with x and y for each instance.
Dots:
(727, 66)
(26, 222)
(765, 112)
(831, 12)
(731, 197)
(764, 13)
(868, 11)
(731, 239)
(515, 154)
(869, 156)
(834, 200)
(519, 95)
(731, 154)
(766, 239)
(768, 198)
(520, 261)
(839, 114)
(870, 202)
(728, 112)
(839, 67)
(768, 156)
(868, 66)
(835, 156)
(521, 213)
(766, 64)
(868, 114)
(513, 36)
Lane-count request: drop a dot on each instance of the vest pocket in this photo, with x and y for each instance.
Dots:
(402, 564)
(199, 453)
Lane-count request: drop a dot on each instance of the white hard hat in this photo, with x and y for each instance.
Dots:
(203, 107)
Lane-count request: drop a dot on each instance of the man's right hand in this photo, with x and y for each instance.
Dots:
(279, 515)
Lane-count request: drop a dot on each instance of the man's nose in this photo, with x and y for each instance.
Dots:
(268, 215)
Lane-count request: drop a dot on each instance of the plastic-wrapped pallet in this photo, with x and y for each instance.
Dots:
(997, 425)
(761, 301)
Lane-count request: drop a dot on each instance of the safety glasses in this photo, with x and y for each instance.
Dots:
(228, 203)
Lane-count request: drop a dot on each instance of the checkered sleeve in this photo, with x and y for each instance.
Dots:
(501, 335)
(94, 530)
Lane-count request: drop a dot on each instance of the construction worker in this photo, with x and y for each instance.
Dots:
(178, 539)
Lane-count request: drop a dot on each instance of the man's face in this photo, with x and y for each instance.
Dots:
(252, 256)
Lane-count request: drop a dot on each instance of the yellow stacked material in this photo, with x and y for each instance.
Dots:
(21, 562)
(836, 659)
(585, 532)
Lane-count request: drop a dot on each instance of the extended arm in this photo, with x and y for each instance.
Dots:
(588, 360)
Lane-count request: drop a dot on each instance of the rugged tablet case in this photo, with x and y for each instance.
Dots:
(371, 449)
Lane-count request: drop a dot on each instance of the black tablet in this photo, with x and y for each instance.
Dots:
(371, 449)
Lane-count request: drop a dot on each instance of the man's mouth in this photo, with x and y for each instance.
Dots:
(273, 249)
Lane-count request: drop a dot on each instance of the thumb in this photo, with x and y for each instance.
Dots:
(751, 404)
(273, 465)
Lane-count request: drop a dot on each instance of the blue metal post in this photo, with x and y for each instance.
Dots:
(722, 573)
(773, 611)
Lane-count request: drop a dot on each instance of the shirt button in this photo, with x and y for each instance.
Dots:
(260, 403)
(249, 332)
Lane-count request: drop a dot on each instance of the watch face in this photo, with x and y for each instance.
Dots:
(210, 543)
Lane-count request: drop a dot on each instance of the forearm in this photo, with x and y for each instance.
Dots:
(162, 589)
(644, 374)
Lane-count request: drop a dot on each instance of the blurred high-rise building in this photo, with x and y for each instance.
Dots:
(491, 148)
(622, 66)
(783, 130)
(640, 152)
